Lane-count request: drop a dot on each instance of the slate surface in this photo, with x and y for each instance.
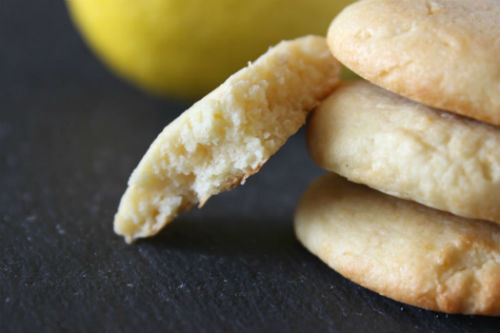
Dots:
(70, 134)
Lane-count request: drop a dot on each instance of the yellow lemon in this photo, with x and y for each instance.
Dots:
(185, 48)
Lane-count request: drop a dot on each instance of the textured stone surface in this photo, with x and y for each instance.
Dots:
(70, 134)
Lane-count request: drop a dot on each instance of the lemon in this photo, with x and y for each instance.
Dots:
(185, 48)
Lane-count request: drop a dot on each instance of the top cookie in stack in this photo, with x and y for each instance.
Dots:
(442, 53)
(424, 129)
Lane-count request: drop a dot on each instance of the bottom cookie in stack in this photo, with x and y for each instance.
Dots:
(401, 249)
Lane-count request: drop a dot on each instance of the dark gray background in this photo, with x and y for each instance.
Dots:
(70, 134)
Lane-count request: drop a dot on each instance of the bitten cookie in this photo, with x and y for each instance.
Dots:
(228, 135)
(408, 150)
(443, 53)
(400, 249)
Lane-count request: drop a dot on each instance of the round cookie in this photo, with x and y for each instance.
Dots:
(443, 53)
(400, 249)
(408, 150)
(228, 135)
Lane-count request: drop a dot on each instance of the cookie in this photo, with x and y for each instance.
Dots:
(408, 150)
(443, 53)
(400, 249)
(228, 135)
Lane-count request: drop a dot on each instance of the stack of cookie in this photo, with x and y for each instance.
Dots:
(421, 134)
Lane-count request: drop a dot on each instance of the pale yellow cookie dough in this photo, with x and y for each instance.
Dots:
(443, 53)
(400, 249)
(228, 135)
(408, 150)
